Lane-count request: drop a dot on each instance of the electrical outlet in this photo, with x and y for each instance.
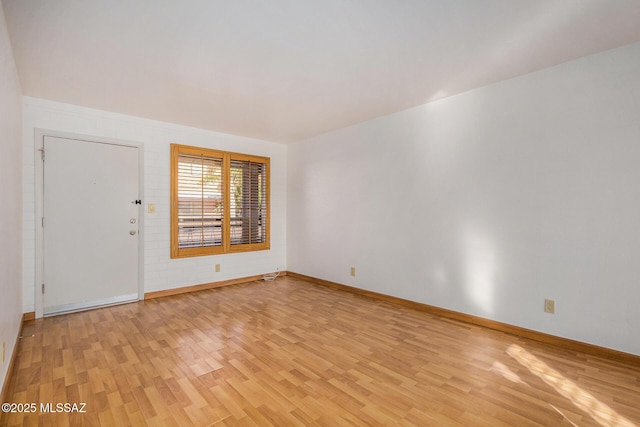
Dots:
(549, 306)
(353, 271)
(217, 268)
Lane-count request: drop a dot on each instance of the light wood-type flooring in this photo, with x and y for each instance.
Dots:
(290, 352)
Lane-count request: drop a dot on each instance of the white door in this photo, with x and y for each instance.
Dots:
(90, 224)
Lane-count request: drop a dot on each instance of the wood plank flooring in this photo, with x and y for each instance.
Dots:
(292, 353)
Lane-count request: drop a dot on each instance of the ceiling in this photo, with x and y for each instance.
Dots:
(285, 70)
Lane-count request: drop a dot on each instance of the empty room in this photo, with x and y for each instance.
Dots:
(363, 213)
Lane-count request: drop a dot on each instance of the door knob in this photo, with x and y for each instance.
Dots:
(132, 232)
(132, 220)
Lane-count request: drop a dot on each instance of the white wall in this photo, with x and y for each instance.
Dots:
(160, 272)
(10, 200)
(489, 202)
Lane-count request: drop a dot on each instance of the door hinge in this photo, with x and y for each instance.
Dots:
(42, 153)
(42, 221)
(43, 288)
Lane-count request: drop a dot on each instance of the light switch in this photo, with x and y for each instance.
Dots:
(151, 208)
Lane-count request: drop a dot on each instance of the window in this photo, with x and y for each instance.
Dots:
(219, 202)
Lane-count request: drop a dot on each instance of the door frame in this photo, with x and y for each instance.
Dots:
(39, 135)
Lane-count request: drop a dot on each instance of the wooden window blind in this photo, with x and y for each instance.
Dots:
(247, 183)
(200, 201)
(219, 202)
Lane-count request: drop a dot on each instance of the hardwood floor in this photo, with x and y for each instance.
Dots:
(292, 353)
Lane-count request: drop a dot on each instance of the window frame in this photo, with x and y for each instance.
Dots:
(226, 247)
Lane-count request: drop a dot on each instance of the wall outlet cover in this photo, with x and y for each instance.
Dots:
(549, 306)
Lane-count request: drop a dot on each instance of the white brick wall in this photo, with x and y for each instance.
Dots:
(160, 272)
(10, 198)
